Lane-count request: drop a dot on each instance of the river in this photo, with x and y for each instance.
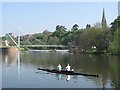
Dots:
(19, 70)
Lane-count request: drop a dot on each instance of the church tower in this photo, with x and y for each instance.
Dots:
(104, 24)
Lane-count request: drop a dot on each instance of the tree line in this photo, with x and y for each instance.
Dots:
(92, 39)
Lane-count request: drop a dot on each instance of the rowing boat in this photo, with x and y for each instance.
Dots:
(67, 72)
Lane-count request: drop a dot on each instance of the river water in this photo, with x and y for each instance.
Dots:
(19, 70)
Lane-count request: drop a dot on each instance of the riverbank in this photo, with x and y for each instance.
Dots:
(48, 50)
(92, 52)
(72, 50)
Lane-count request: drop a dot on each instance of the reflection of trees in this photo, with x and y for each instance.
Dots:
(114, 67)
(103, 65)
(44, 59)
(94, 65)
(9, 58)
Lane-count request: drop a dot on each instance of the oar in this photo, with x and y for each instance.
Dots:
(41, 72)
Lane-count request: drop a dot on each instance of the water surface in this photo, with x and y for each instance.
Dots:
(19, 70)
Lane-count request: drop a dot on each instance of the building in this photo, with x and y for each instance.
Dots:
(104, 23)
(11, 34)
(46, 32)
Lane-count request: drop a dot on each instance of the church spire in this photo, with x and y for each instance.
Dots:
(104, 24)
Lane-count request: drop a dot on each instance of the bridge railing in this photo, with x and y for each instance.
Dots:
(42, 46)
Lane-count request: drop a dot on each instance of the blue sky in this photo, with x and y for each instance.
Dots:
(35, 17)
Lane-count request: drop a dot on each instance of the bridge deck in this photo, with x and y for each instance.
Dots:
(62, 46)
(43, 46)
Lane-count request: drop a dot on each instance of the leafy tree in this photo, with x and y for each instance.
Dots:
(115, 24)
(88, 26)
(115, 28)
(75, 27)
(115, 48)
(54, 41)
(45, 39)
(86, 38)
(38, 36)
(67, 38)
(97, 25)
(60, 31)
(102, 42)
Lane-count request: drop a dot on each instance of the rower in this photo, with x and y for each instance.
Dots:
(59, 67)
(68, 68)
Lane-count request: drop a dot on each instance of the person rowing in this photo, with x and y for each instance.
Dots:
(68, 67)
(59, 67)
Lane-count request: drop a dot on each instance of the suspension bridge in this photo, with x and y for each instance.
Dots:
(17, 44)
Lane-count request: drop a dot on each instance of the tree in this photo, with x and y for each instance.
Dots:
(115, 24)
(87, 38)
(102, 42)
(115, 47)
(115, 28)
(75, 27)
(45, 38)
(60, 31)
(88, 26)
(97, 25)
(54, 41)
(67, 38)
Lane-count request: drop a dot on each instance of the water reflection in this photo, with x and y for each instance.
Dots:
(18, 63)
(60, 77)
(104, 65)
(11, 58)
(101, 65)
(68, 78)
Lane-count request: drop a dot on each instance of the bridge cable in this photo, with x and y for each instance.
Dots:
(13, 40)
(38, 40)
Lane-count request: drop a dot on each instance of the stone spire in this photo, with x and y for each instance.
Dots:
(104, 24)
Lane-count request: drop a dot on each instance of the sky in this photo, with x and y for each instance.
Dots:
(35, 17)
(119, 8)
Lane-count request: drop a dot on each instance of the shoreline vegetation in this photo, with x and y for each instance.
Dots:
(96, 39)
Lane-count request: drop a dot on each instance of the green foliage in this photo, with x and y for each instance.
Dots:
(66, 39)
(102, 42)
(115, 28)
(81, 39)
(115, 24)
(75, 27)
(25, 42)
(26, 49)
(60, 31)
(54, 41)
(45, 39)
(115, 48)
(38, 36)
(3, 38)
(86, 38)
